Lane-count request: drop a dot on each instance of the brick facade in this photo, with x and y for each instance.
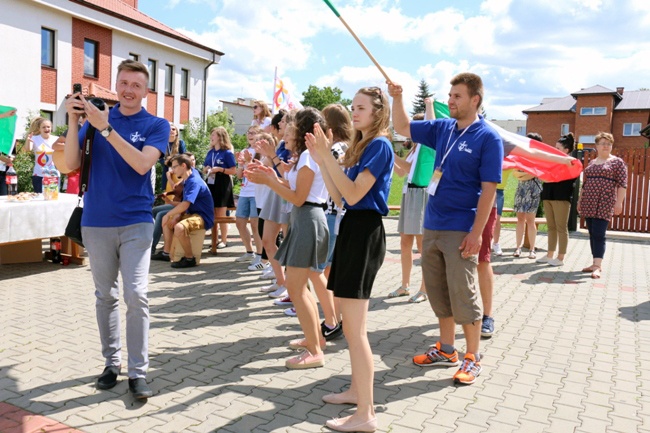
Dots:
(152, 103)
(48, 85)
(169, 107)
(185, 110)
(84, 30)
(549, 124)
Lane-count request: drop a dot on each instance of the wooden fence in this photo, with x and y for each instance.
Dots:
(636, 209)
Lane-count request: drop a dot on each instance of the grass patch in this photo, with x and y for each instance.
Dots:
(395, 193)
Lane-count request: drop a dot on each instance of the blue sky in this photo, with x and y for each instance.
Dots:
(525, 50)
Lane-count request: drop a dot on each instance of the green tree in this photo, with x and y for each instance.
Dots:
(320, 98)
(418, 102)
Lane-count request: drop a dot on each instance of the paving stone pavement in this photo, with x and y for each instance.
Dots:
(567, 356)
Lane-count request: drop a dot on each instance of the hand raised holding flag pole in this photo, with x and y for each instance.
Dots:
(331, 6)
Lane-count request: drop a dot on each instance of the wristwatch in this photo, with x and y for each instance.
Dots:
(106, 132)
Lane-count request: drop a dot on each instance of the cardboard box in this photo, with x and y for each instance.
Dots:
(21, 252)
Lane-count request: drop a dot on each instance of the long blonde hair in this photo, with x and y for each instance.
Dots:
(379, 127)
(173, 149)
(224, 138)
(264, 113)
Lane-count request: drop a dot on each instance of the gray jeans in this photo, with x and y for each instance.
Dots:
(126, 251)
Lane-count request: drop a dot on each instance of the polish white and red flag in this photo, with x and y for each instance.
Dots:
(544, 170)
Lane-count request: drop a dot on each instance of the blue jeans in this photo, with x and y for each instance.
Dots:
(158, 213)
(121, 250)
(500, 201)
(597, 230)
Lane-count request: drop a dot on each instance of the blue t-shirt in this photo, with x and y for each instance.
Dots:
(378, 158)
(474, 158)
(282, 152)
(220, 158)
(182, 148)
(117, 195)
(197, 193)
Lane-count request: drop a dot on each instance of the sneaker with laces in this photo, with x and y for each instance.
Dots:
(291, 312)
(283, 301)
(270, 288)
(468, 371)
(268, 274)
(257, 259)
(305, 360)
(435, 357)
(487, 327)
(555, 262)
(497, 250)
(246, 257)
(333, 333)
(543, 259)
(259, 266)
(279, 293)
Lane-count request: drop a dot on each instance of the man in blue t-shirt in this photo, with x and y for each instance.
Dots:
(117, 224)
(195, 212)
(469, 154)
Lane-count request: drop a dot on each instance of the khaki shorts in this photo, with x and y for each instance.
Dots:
(191, 223)
(449, 278)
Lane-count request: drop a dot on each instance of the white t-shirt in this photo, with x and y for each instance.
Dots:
(43, 152)
(247, 187)
(318, 191)
(263, 124)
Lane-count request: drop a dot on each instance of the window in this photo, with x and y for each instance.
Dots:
(185, 83)
(49, 115)
(135, 57)
(587, 139)
(90, 57)
(593, 111)
(47, 47)
(169, 79)
(631, 129)
(521, 130)
(564, 129)
(152, 75)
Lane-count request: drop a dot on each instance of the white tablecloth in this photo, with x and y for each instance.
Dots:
(35, 219)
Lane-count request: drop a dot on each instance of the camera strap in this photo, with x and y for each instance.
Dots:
(85, 159)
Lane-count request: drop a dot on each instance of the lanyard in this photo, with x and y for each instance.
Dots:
(214, 155)
(449, 148)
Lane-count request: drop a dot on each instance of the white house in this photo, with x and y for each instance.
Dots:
(50, 44)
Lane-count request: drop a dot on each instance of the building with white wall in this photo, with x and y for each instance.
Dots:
(50, 44)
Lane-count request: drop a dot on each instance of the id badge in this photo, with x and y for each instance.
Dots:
(211, 179)
(435, 180)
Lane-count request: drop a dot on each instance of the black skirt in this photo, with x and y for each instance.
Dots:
(221, 191)
(358, 254)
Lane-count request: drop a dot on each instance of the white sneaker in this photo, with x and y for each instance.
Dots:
(543, 259)
(555, 262)
(259, 266)
(290, 312)
(497, 250)
(246, 257)
(268, 274)
(283, 301)
(270, 288)
(279, 293)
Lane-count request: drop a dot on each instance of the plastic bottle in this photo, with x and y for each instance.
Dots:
(11, 180)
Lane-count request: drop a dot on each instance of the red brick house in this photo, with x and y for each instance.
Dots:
(590, 111)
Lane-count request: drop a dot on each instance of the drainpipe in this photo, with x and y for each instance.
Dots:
(205, 90)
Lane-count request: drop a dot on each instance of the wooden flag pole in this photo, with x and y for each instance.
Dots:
(333, 9)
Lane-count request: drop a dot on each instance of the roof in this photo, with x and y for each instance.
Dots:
(567, 103)
(635, 100)
(126, 12)
(595, 90)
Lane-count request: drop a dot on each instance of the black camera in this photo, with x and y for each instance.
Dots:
(97, 102)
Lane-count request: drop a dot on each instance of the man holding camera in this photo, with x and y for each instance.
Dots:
(117, 224)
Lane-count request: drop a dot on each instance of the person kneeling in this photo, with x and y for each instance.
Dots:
(195, 212)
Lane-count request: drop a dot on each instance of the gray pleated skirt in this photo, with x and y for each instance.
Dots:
(306, 242)
(273, 209)
(411, 214)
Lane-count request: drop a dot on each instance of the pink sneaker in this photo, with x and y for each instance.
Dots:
(301, 344)
(305, 360)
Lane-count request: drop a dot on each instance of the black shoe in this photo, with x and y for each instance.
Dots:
(160, 255)
(139, 388)
(108, 378)
(184, 262)
(331, 334)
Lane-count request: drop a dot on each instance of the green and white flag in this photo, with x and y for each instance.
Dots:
(7, 130)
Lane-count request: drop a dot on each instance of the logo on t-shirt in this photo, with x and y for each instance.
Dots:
(463, 147)
(135, 137)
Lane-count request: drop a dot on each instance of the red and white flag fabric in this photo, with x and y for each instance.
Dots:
(544, 170)
(283, 99)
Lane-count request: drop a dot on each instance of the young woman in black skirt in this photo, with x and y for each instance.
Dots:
(361, 243)
(219, 165)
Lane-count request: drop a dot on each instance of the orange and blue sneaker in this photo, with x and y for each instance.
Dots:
(469, 371)
(435, 357)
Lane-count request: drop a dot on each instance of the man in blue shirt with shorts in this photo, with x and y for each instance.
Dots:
(469, 155)
(117, 223)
